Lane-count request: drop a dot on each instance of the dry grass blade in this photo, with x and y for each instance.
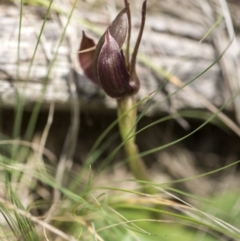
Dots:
(218, 221)
(229, 63)
(231, 66)
(36, 220)
(46, 131)
(207, 104)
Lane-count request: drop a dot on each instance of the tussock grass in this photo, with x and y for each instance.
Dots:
(45, 196)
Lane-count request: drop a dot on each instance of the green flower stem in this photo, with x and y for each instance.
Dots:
(127, 114)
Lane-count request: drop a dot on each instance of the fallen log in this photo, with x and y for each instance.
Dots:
(171, 46)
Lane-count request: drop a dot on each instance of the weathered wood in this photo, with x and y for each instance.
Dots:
(170, 41)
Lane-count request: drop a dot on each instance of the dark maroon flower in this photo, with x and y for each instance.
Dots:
(106, 65)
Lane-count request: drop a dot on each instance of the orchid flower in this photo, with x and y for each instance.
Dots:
(105, 63)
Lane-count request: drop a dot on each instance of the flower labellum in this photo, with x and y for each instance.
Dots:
(106, 65)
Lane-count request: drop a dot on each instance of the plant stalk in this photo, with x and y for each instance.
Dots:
(127, 114)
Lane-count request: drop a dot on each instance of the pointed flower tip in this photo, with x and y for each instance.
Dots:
(119, 27)
(144, 6)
